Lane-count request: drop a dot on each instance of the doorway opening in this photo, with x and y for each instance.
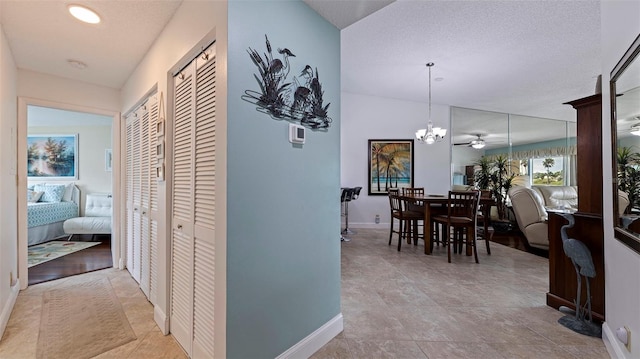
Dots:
(70, 158)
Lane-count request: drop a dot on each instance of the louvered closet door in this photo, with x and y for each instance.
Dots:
(153, 201)
(137, 197)
(182, 210)
(204, 208)
(192, 321)
(142, 196)
(145, 183)
(129, 189)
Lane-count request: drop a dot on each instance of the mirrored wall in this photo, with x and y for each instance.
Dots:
(541, 151)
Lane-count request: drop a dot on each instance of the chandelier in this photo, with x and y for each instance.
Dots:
(430, 134)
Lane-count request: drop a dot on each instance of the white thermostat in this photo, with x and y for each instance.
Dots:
(296, 134)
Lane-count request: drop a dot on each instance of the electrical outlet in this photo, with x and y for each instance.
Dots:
(624, 335)
(628, 338)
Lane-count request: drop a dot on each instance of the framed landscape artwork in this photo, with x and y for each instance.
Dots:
(390, 165)
(52, 156)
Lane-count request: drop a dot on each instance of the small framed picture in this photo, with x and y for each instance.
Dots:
(160, 148)
(160, 171)
(160, 128)
(108, 160)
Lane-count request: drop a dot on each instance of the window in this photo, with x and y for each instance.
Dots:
(547, 171)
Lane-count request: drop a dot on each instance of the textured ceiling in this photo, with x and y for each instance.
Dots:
(42, 36)
(521, 57)
(342, 13)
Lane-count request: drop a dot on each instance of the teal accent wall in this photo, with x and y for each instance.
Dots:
(283, 240)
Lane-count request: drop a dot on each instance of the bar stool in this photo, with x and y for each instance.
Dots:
(352, 195)
(344, 193)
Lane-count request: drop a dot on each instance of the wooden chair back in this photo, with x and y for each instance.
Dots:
(463, 204)
(412, 191)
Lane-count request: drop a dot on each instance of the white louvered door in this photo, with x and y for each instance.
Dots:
(153, 201)
(129, 189)
(193, 220)
(142, 197)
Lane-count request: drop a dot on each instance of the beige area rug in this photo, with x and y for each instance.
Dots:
(82, 320)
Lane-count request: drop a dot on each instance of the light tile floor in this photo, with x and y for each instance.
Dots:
(21, 336)
(395, 305)
(410, 305)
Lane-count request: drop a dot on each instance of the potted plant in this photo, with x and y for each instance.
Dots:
(629, 174)
(500, 185)
(493, 176)
(482, 176)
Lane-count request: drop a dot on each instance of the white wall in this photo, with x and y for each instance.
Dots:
(190, 24)
(65, 91)
(620, 27)
(92, 141)
(367, 117)
(8, 196)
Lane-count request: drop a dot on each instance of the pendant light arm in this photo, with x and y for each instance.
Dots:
(430, 134)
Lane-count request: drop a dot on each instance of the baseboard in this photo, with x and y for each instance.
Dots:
(614, 347)
(161, 319)
(368, 225)
(8, 307)
(314, 341)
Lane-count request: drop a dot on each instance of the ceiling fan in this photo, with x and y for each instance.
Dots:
(476, 143)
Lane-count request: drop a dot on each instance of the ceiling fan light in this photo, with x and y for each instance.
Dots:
(635, 130)
(478, 144)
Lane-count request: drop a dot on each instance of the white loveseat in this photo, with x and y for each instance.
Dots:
(97, 217)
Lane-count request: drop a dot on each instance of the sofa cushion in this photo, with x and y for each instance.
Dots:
(98, 205)
(87, 225)
(559, 196)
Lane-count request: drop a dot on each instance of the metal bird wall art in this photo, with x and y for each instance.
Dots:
(582, 261)
(298, 100)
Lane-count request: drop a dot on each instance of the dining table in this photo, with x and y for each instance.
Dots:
(436, 204)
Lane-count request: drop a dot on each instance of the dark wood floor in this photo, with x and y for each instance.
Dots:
(515, 239)
(86, 260)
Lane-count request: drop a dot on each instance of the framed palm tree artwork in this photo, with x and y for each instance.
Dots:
(390, 165)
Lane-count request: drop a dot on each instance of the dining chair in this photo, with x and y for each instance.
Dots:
(484, 214)
(404, 216)
(461, 219)
(415, 206)
(410, 191)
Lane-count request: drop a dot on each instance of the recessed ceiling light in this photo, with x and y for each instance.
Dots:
(77, 64)
(84, 14)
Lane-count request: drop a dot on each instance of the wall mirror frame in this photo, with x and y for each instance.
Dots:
(625, 112)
